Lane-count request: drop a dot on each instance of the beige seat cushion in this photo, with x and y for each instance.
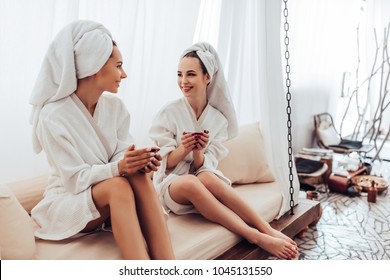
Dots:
(16, 229)
(247, 160)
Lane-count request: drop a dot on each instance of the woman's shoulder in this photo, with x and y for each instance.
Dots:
(113, 105)
(216, 113)
(174, 103)
(170, 107)
(54, 109)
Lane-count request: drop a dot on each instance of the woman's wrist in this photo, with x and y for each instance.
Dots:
(176, 156)
(198, 158)
(121, 168)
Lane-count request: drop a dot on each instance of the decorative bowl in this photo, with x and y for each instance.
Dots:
(365, 181)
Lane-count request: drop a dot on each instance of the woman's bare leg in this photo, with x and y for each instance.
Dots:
(151, 217)
(229, 197)
(115, 197)
(189, 189)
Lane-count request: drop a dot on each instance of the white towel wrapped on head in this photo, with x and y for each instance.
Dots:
(79, 50)
(217, 91)
(92, 52)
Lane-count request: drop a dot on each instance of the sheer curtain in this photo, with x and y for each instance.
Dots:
(26, 29)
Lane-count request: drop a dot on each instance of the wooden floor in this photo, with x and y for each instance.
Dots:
(305, 213)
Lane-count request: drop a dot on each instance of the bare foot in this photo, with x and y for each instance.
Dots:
(278, 234)
(279, 247)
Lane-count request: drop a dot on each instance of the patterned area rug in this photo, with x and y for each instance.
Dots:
(349, 229)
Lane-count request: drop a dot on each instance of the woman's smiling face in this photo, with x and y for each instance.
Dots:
(190, 77)
(112, 72)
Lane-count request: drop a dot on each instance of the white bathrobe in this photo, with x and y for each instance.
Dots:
(166, 131)
(78, 160)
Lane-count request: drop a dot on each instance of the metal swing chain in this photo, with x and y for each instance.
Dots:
(288, 97)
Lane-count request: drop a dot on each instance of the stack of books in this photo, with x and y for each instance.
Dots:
(322, 153)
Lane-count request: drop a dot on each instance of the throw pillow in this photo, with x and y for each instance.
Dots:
(17, 239)
(247, 160)
(328, 134)
(29, 191)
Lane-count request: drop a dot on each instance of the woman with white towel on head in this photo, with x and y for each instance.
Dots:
(97, 175)
(190, 132)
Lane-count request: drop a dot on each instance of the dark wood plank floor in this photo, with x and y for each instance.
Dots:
(305, 213)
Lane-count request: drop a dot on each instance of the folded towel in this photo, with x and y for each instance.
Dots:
(217, 91)
(79, 50)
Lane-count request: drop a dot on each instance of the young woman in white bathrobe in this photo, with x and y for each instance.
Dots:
(190, 132)
(96, 172)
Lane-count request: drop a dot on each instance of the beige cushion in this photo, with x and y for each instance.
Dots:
(29, 192)
(16, 231)
(328, 134)
(247, 161)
